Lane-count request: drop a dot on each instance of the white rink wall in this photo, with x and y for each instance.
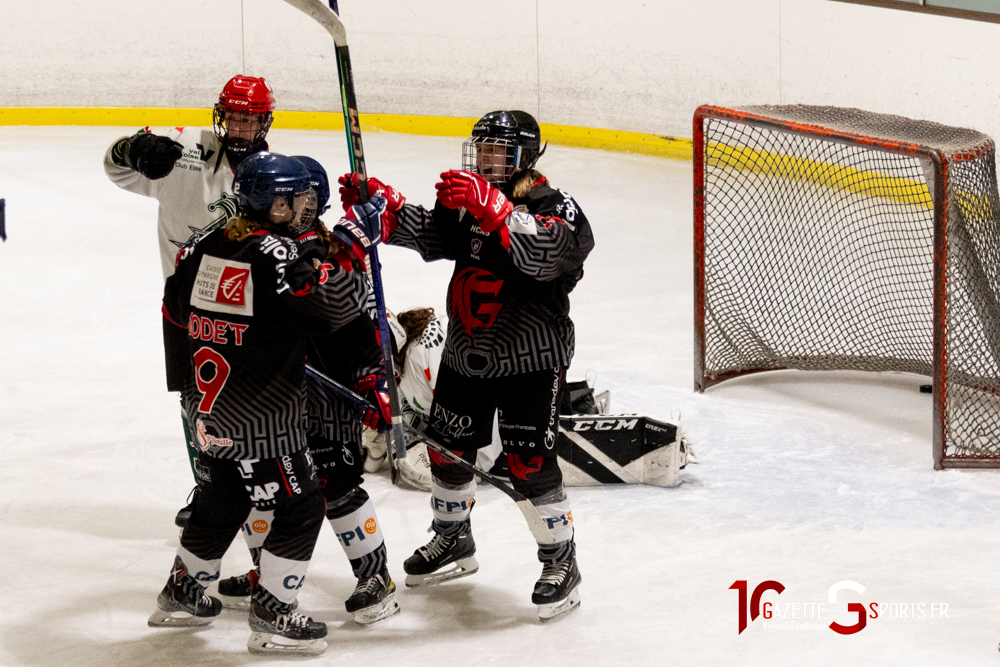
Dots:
(639, 65)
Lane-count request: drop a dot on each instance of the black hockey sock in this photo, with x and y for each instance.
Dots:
(370, 564)
(262, 597)
(451, 528)
(556, 553)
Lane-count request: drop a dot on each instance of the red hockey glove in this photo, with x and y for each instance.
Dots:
(488, 205)
(349, 194)
(375, 386)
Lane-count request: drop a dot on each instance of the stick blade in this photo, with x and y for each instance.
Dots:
(324, 16)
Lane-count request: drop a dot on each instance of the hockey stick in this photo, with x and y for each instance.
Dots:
(535, 522)
(331, 21)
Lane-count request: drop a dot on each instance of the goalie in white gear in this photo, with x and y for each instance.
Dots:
(419, 336)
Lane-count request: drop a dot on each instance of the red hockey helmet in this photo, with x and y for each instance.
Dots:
(247, 93)
(242, 116)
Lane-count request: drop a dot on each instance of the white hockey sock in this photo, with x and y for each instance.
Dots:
(202, 571)
(359, 533)
(558, 518)
(451, 503)
(282, 577)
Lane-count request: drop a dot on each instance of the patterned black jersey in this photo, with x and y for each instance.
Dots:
(508, 300)
(248, 307)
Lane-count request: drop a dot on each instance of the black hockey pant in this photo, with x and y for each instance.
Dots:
(286, 486)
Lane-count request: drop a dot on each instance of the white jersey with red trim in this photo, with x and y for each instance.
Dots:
(196, 197)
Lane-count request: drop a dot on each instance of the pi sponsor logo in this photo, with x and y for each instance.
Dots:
(232, 286)
(260, 526)
(371, 526)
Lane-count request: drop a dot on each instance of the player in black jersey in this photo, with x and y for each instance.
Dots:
(248, 295)
(518, 245)
(349, 355)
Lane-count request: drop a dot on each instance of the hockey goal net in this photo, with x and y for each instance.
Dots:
(832, 239)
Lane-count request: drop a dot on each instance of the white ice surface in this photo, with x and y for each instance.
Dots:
(807, 479)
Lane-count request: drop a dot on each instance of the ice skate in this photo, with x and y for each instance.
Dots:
(557, 591)
(235, 592)
(284, 633)
(177, 608)
(429, 565)
(374, 599)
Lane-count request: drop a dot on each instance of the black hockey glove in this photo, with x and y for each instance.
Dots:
(153, 156)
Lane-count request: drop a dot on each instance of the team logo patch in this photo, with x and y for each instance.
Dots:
(232, 286)
(223, 286)
(477, 245)
(474, 295)
(521, 469)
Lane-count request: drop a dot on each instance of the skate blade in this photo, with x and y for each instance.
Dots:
(264, 643)
(235, 602)
(463, 567)
(176, 619)
(379, 612)
(550, 612)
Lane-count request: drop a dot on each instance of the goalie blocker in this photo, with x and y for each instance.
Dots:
(621, 449)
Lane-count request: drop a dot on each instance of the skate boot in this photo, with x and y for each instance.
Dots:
(557, 591)
(276, 629)
(182, 603)
(374, 599)
(235, 592)
(452, 546)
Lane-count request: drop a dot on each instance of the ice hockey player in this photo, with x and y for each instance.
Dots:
(518, 245)
(349, 355)
(247, 295)
(189, 171)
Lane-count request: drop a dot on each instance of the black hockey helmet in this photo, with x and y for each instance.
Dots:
(276, 189)
(502, 144)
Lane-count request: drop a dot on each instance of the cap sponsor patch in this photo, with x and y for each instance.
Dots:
(223, 286)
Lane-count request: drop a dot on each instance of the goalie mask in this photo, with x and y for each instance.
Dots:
(275, 190)
(242, 116)
(502, 144)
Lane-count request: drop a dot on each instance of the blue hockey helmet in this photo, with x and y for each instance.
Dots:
(318, 178)
(274, 188)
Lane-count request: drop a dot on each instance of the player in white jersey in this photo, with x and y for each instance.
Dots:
(421, 342)
(190, 172)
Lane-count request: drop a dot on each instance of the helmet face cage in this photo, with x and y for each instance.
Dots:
(304, 212)
(242, 116)
(225, 120)
(494, 159)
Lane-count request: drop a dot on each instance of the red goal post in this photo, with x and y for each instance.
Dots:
(840, 239)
